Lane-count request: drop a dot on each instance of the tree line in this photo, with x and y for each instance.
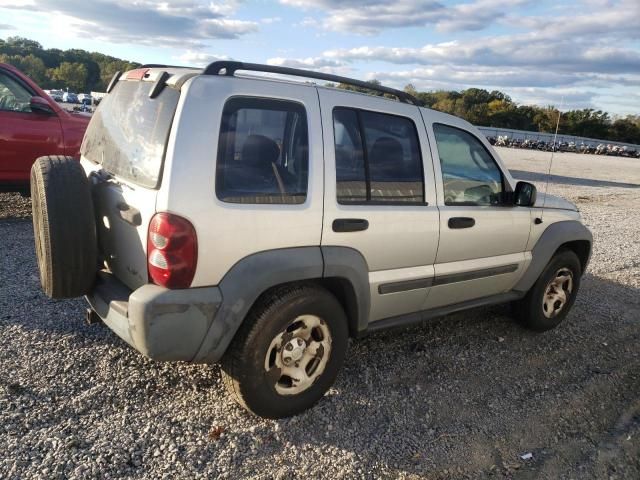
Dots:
(83, 71)
(75, 69)
(496, 109)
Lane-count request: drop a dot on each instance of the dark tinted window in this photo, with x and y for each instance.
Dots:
(470, 175)
(263, 154)
(387, 169)
(129, 131)
(350, 169)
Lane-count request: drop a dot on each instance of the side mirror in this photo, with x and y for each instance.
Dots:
(524, 195)
(40, 105)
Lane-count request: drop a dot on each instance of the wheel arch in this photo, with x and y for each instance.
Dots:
(342, 271)
(569, 234)
(582, 249)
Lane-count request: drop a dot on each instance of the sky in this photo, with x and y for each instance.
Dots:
(574, 53)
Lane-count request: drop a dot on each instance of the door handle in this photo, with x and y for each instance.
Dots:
(350, 225)
(461, 222)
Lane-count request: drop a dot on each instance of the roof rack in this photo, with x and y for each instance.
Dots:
(231, 67)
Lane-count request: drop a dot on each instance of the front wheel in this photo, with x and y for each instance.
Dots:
(548, 302)
(288, 351)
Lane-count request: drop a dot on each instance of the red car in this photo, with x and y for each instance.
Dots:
(32, 125)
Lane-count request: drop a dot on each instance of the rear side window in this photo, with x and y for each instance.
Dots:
(378, 158)
(128, 132)
(263, 152)
(470, 175)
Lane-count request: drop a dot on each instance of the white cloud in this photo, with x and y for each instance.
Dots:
(578, 56)
(270, 20)
(372, 16)
(199, 59)
(324, 65)
(147, 22)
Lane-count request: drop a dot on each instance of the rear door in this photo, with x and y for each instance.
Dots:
(482, 238)
(380, 195)
(123, 152)
(244, 164)
(24, 135)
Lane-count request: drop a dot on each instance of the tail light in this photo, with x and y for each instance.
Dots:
(172, 251)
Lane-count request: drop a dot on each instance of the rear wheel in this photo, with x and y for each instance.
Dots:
(63, 226)
(287, 353)
(549, 300)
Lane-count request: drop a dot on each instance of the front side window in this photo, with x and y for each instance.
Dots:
(13, 96)
(263, 152)
(469, 174)
(378, 158)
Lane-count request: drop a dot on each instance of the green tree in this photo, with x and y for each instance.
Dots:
(31, 65)
(70, 75)
(625, 130)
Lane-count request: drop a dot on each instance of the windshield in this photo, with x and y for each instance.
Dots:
(128, 132)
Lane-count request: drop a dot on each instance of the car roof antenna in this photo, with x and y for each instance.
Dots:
(553, 151)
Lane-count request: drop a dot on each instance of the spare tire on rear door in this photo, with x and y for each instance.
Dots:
(64, 226)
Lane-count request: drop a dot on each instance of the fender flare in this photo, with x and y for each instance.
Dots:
(253, 275)
(349, 264)
(555, 235)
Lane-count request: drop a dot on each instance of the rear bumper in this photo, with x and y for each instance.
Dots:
(161, 324)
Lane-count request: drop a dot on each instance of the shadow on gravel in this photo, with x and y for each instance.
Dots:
(469, 393)
(563, 180)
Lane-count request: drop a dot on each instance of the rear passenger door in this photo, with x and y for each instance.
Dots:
(260, 186)
(380, 195)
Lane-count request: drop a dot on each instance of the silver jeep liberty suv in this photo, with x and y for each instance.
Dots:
(260, 222)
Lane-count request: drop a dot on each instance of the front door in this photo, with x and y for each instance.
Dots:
(482, 239)
(380, 195)
(24, 135)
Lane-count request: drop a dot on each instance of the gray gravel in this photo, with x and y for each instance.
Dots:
(460, 397)
(13, 205)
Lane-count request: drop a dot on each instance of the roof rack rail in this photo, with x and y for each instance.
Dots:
(231, 67)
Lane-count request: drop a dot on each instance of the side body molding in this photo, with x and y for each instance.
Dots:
(551, 239)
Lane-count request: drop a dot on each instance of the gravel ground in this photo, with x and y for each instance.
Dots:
(460, 397)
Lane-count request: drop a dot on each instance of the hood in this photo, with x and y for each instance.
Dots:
(554, 202)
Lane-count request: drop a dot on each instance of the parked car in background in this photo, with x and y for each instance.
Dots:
(32, 124)
(55, 94)
(97, 97)
(84, 98)
(69, 97)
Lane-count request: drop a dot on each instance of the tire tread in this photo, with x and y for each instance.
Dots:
(64, 224)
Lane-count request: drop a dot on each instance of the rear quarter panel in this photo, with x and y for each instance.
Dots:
(229, 232)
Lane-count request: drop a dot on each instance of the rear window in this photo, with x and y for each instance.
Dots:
(129, 131)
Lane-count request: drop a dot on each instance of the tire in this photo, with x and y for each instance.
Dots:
(253, 366)
(539, 312)
(63, 226)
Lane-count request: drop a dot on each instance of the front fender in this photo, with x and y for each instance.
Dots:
(556, 235)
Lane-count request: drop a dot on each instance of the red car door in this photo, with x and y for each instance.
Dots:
(24, 134)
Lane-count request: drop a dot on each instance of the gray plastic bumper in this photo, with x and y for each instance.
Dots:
(160, 323)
